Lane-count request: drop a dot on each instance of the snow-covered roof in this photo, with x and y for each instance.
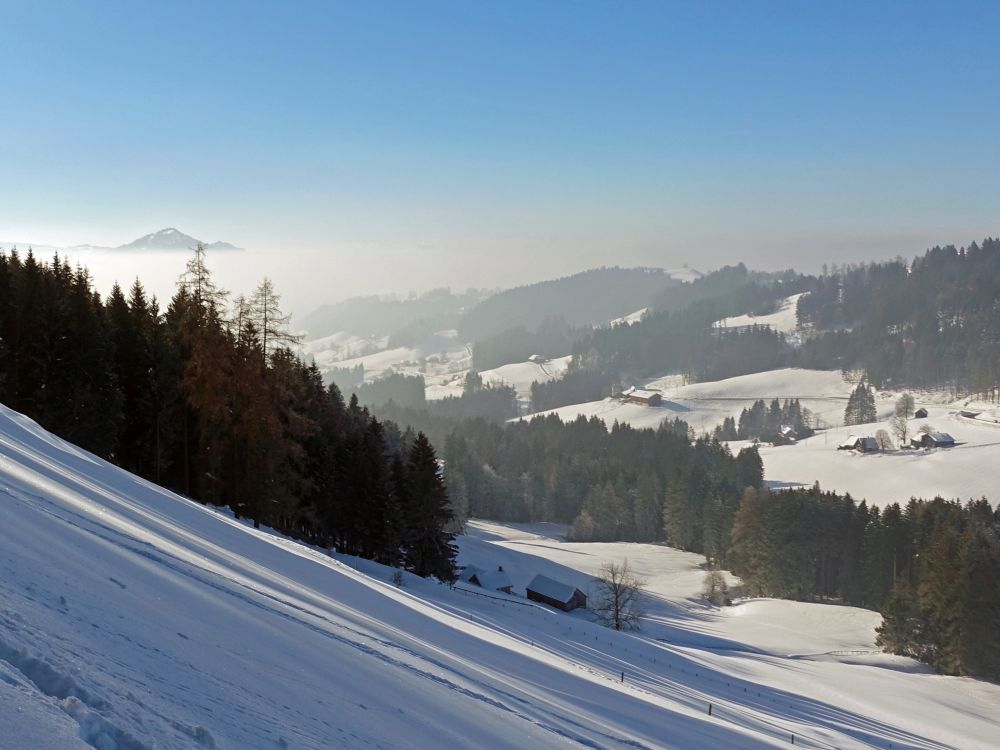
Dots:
(488, 579)
(850, 442)
(560, 592)
(468, 572)
(940, 437)
(641, 393)
(494, 580)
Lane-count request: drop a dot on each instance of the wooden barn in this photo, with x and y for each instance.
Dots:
(920, 413)
(642, 397)
(933, 440)
(559, 595)
(859, 444)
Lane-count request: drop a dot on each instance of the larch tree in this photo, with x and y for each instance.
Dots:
(272, 324)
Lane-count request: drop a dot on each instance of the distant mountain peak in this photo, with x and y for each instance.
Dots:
(172, 238)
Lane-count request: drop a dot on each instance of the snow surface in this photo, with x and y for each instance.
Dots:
(133, 618)
(969, 470)
(521, 375)
(784, 319)
(684, 274)
(629, 319)
(704, 405)
(441, 359)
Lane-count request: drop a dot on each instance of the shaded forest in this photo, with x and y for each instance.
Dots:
(206, 398)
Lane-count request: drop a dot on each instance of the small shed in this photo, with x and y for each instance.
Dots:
(933, 440)
(559, 595)
(492, 580)
(538, 358)
(920, 413)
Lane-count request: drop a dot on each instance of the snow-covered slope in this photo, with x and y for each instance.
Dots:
(629, 319)
(520, 375)
(441, 359)
(778, 666)
(784, 319)
(132, 618)
(970, 470)
(967, 471)
(704, 405)
(684, 274)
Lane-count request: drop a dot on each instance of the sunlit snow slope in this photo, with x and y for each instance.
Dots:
(132, 618)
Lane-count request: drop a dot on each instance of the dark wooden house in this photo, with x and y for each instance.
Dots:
(933, 440)
(559, 595)
(643, 397)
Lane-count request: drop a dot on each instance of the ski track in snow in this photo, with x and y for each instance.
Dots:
(146, 620)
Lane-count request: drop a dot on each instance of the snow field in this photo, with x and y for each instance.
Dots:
(135, 619)
(784, 319)
(969, 470)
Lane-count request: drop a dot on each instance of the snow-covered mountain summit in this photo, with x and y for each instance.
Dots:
(172, 239)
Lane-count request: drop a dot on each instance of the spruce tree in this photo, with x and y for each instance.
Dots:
(427, 515)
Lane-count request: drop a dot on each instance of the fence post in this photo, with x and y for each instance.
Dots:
(709, 709)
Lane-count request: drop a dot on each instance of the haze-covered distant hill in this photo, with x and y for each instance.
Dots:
(410, 317)
(589, 298)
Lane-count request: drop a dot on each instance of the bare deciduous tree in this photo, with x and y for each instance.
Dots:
(883, 440)
(900, 427)
(905, 405)
(619, 596)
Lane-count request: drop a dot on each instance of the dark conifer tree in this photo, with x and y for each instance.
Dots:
(427, 515)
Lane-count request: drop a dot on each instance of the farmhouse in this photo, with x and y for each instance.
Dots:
(555, 594)
(492, 580)
(933, 440)
(859, 444)
(787, 434)
(643, 397)
(920, 413)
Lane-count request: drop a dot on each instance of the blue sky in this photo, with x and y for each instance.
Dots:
(479, 142)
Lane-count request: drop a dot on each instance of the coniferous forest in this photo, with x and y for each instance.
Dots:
(206, 398)
(932, 568)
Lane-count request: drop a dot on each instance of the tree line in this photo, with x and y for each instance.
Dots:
(932, 568)
(610, 484)
(765, 422)
(207, 398)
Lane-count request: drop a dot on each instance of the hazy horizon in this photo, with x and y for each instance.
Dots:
(355, 152)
